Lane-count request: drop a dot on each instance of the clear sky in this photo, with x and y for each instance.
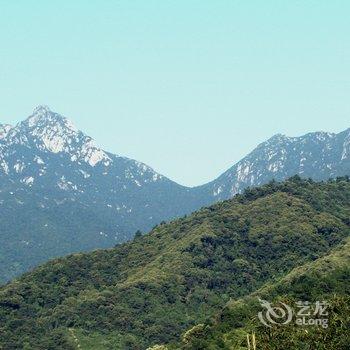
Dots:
(186, 86)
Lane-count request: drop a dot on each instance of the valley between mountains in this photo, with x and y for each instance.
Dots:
(60, 193)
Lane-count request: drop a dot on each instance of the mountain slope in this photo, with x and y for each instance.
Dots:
(60, 193)
(152, 289)
(326, 279)
(317, 155)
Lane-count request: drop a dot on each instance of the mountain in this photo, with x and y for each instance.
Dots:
(317, 155)
(60, 193)
(154, 288)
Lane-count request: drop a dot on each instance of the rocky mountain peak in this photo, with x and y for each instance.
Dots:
(318, 155)
(51, 132)
(42, 109)
(43, 117)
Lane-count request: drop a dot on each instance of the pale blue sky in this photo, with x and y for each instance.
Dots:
(186, 86)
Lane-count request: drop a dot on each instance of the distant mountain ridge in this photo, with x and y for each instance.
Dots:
(60, 193)
(318, 155)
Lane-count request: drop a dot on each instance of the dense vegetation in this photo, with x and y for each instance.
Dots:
(327, 278)
(154, 288)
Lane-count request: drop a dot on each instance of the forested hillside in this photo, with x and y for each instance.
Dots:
(155, 288)
(327, 278)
